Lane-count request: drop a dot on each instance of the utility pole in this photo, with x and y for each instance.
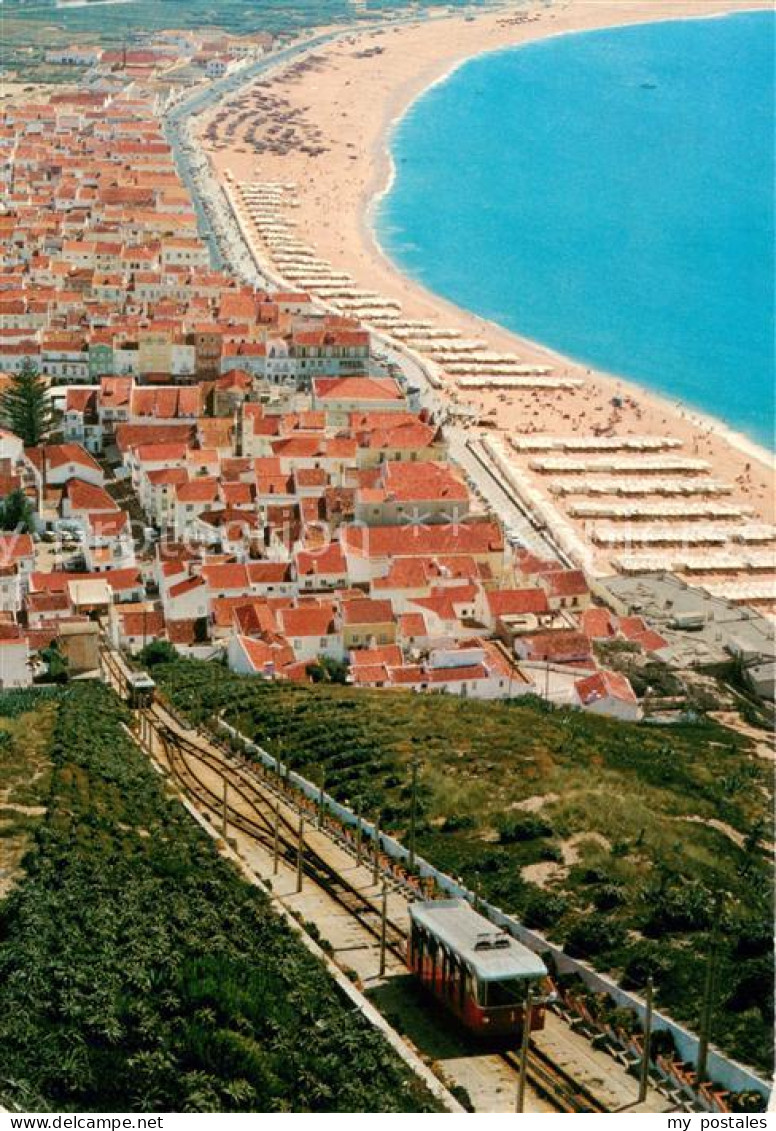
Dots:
(525, 1038)
(320, 798)
(376, 860)
(413, 811)
(300, 856)
(383, 925)
(359, 835)
(646, 1053)
(224, 814)
(707, 1007)
(276, 838)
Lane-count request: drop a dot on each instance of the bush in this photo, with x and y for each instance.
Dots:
(458, 823)
(648, 959)
(592, 935)
(158, 652)
(544, 909)
(662, 1043)
(608, 896)
(751, 978)
(327, 670)
(683, 907)
(56, 664)
(512, 830)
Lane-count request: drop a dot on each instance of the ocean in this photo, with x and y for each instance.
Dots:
(609, 194)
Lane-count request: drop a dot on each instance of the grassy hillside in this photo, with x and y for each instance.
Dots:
(613, 838)
(26, 722)
(138, 970)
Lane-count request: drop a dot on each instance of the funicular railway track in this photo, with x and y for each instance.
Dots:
(258, 797)
(265, 823)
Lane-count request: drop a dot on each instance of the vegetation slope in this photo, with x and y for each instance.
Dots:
(615, 839)
(139, 971)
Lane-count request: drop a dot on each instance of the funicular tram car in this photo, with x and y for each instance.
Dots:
(478, 971)
(140, 690)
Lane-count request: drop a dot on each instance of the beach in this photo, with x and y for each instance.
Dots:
(331, 119)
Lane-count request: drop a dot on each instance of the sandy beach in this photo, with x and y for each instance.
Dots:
(324, 126)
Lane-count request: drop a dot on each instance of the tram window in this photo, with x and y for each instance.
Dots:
(509, 992)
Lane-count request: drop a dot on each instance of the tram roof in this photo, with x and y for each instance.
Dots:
(491, 953)
(140, 681)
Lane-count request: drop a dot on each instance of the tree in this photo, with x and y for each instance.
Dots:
(25, 406)
(158, 652)
(56, 664)
(328, 670)
(16, 512)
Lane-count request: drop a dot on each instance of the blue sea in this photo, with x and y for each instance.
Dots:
(609, 194)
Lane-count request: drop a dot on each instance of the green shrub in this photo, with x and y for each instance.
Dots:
(608, 896)
(458, 823)
(592, 935)
(512, 830)
(647, 959)
(544, 909)
(158, 652)
(685, 906)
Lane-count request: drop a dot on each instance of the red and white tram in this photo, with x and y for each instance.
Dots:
(479, 972)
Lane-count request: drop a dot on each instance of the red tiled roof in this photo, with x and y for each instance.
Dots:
(360, 658)
(565, 643)
(202, 490)
(564, 583)
(598, 624)
(119, 580)
(264, 656)
(307, 621)
(228, 576)
(421, 481)
(421, 541)
(650, 641)
(160, 453)
(150, 623)
(268, 573)
(325, 562)
(188, 585)
(88, 497)
(130, 436)
(57, 455)
(356, 388)
(631, 627)
(602, 685)
(14, 547)
(364, 610)
(517, 602)
(412, 624)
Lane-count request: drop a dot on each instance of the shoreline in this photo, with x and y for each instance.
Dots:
(338, 196)
(383, 179)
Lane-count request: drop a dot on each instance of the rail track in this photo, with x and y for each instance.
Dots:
(259, 797)
(255, 806)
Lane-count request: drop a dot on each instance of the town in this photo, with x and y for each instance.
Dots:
(244, 475)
